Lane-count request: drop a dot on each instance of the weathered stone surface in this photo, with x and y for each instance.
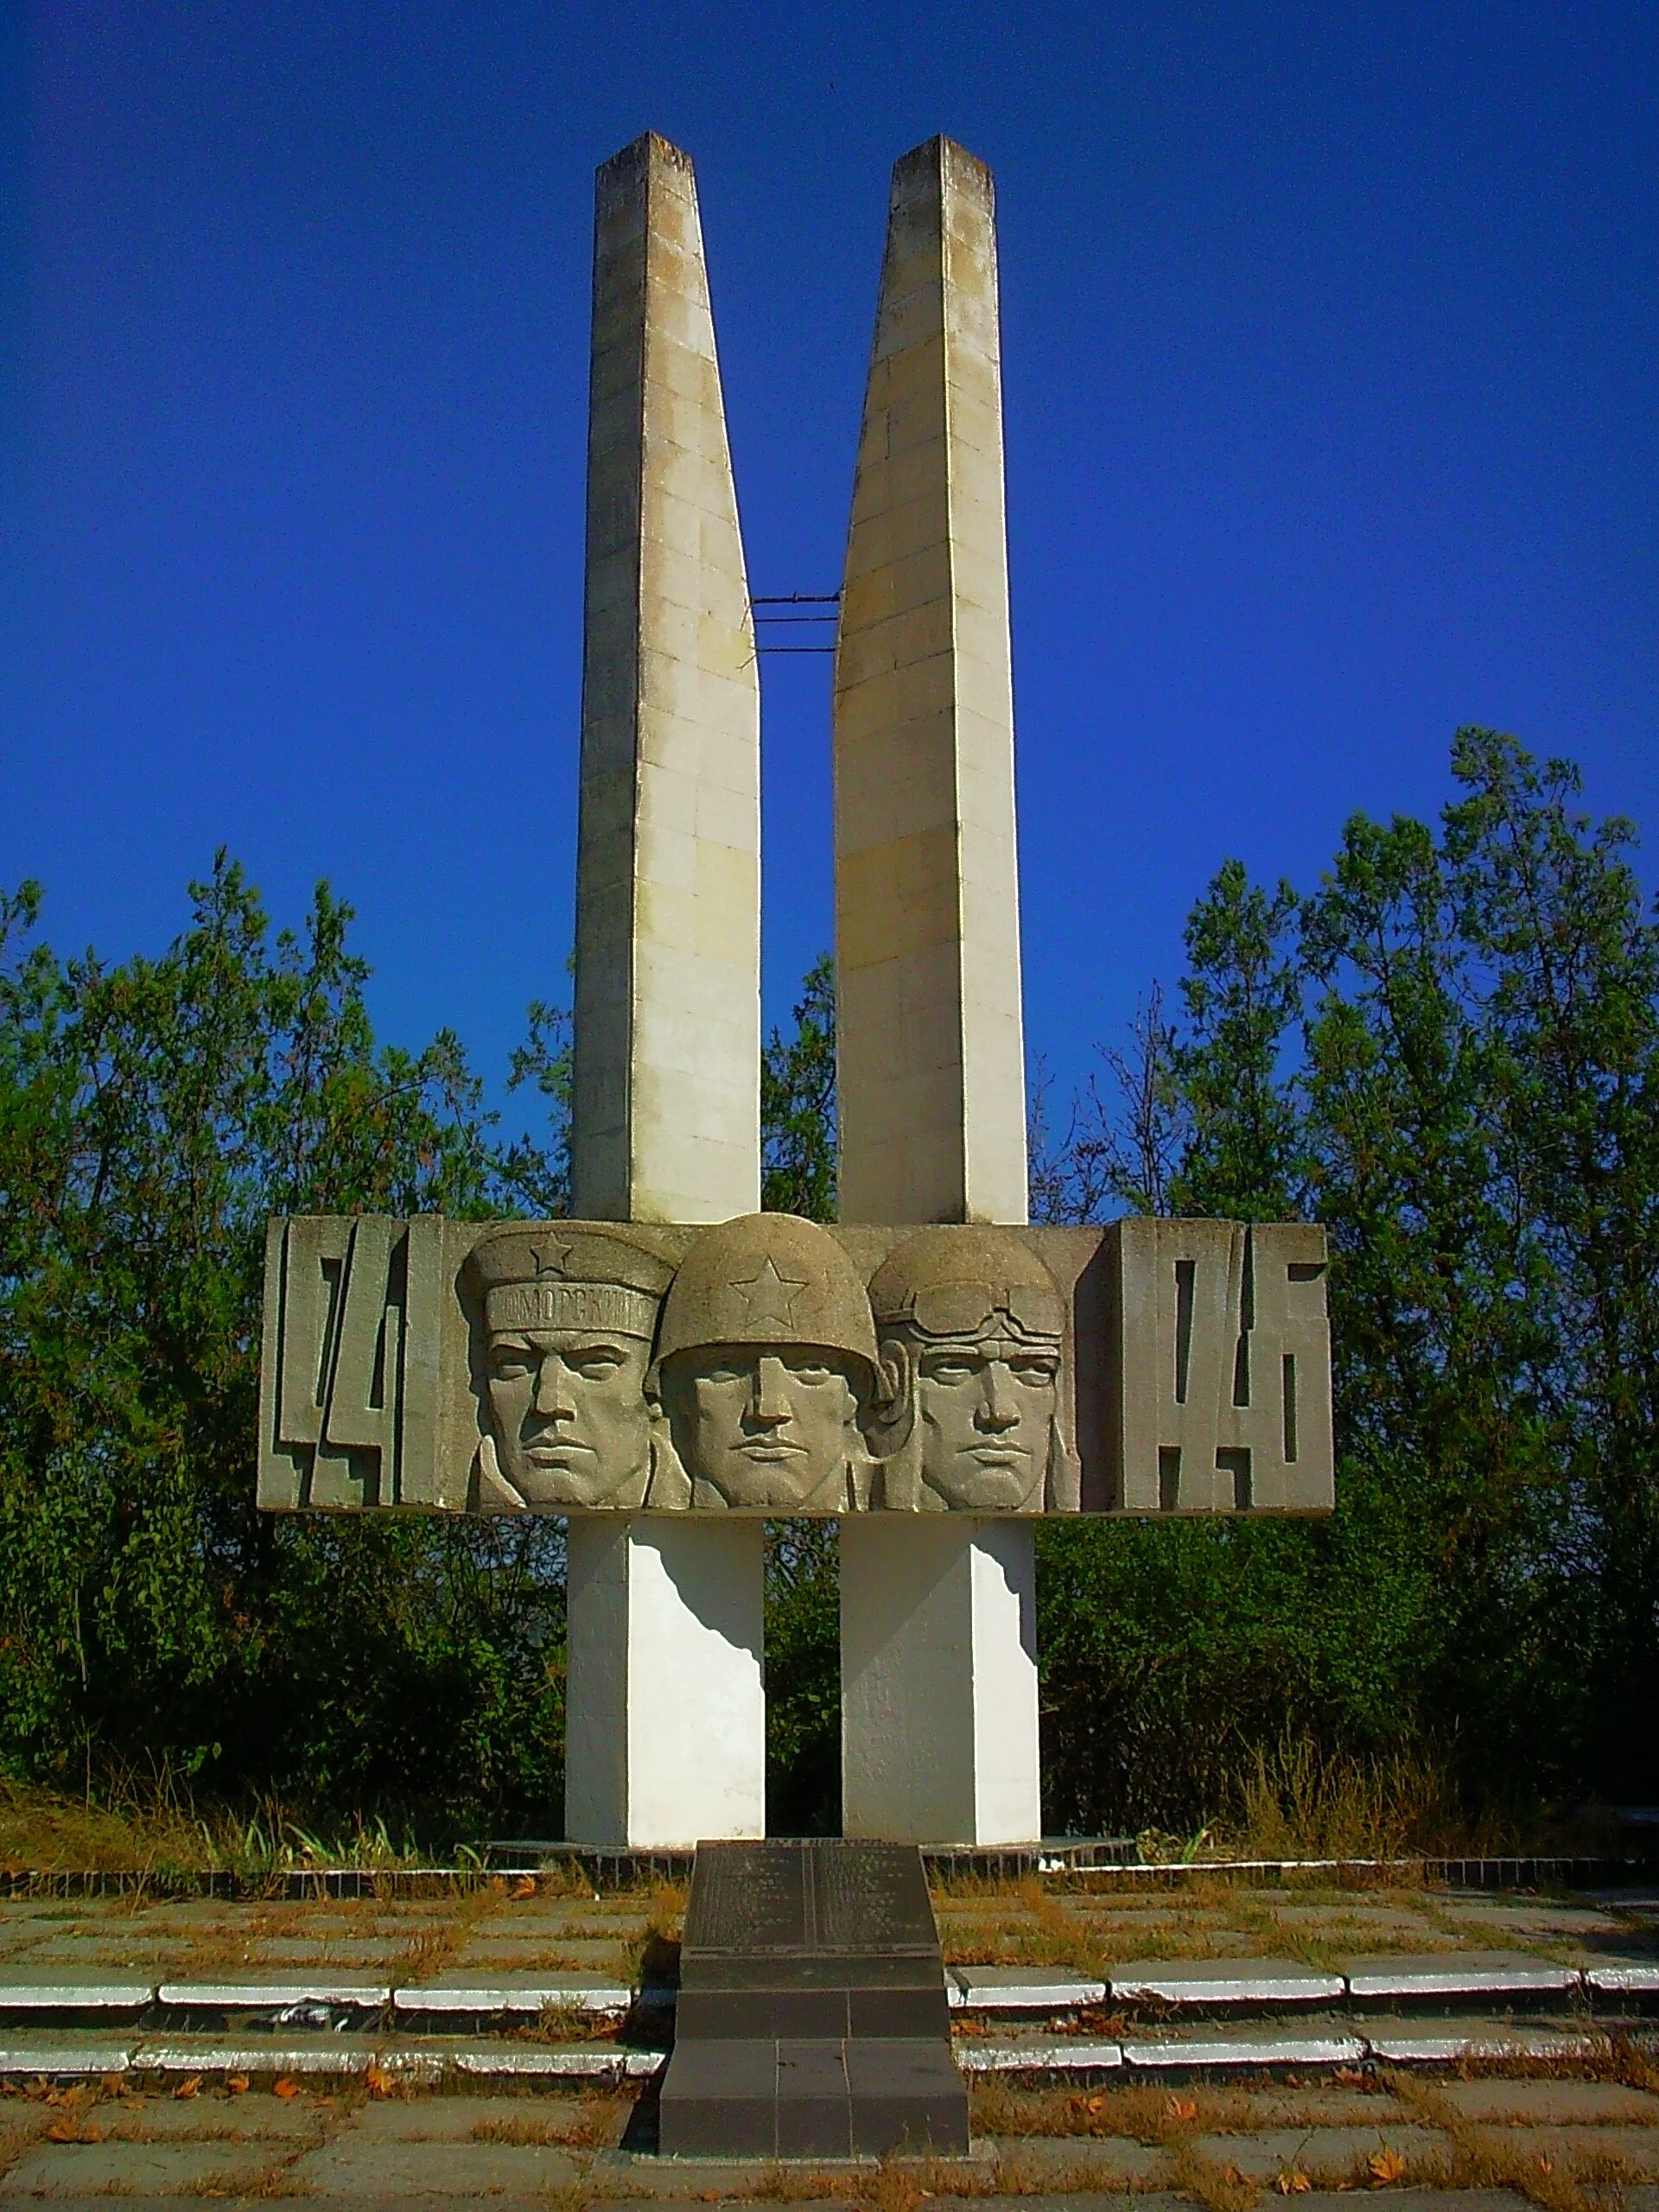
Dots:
(982, 1370)
(928, 1031)
(1456, 1974)
(1209, 1982)
(666, 1108)
(1219, 1392)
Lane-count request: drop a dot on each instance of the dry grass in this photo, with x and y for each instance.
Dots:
(1299, 1801)
(140, 1825)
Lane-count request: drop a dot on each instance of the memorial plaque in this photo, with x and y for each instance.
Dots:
(812, 2019)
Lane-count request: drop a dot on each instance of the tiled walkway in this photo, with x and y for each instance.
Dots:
(246, 2002)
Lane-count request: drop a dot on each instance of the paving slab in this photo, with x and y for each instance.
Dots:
(1332, 2153)
(1417, 2200)
(1206, 1982)
(1635, 2149)
(255, 2116)
(1502, 2104)
(1428, 1974)
(369, 2170)
(1080, 2161)
(455, 2119)
(127, 2169)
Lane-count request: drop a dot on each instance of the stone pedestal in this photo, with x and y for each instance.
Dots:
(938, 1679)
(665, 1719)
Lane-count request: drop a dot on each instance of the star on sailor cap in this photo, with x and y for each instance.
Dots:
(552, 1258)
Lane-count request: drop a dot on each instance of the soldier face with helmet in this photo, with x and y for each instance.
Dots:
(766, 1364)
(569, 1318)
(970, 1327)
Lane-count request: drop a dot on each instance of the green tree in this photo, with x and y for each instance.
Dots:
(152, 1115)
(798, 1104)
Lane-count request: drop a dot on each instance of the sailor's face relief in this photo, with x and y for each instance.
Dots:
(570, 1416)
(986, 1408)
(769, 1427)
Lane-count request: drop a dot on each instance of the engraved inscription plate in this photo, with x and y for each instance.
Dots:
(870, 1897)
(784, 1899)
(746, 1896)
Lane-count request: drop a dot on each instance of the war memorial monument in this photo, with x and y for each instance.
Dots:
(671, 1366)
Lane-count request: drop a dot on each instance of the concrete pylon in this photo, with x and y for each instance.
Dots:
(938, 1636)
(930, 1043)
(665, 1714)
(667, 1104)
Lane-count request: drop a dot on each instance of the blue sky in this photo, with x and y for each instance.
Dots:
(1329, 349)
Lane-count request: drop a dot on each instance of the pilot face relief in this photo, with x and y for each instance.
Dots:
(568, 1413)
(986, 1408)
(971, 1328)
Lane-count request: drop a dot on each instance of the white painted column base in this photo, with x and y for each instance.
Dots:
(938, 1679)
(665, 1714)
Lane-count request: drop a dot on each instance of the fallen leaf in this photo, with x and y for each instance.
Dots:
(1234, 2174)
(1097, 2104)
(380, 2082)
(63, 2131)
(190, 2088)
(236, 2084)
(284, 2087)
(1182, 2108)
(1350, 2077)
(524, 1886)
(1545, 2166)
(1385, 2165)
(1292, 2184)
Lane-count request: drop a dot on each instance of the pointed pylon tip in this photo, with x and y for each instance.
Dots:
(649, 148)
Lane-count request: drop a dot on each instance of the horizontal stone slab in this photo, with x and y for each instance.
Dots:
(59, 2061)
(1223, 1982)
(1443, 2042)
(72, 1992)
(1457, 1973)
(280, 2055)
(1051, 2056)
(554, 2062)
(513, 1993)
(1019, 1989)
(1618, 1977)
(257, 1993)
(1259, 2048)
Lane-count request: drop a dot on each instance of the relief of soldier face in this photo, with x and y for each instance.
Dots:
(772, 1426)
(986, 1408)
(570, 1416)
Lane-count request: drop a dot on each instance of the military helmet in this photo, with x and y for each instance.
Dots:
(768, 1279)
(553, 1275)
(956, 1282)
